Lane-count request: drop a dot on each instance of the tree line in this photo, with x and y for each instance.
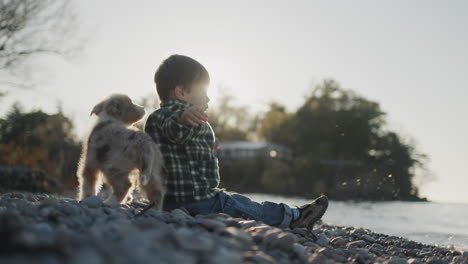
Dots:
(340, 144)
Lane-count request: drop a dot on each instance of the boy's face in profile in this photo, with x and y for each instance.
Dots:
(197, 95)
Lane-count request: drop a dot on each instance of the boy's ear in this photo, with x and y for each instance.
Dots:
(179, 92)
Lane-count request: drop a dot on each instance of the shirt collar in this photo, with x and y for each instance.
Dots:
(174, 101)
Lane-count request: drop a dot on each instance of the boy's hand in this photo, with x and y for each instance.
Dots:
(194, 116)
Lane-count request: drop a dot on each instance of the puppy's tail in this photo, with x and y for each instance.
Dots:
(152, 164)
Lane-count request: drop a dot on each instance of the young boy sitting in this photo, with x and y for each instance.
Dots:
(180, 127)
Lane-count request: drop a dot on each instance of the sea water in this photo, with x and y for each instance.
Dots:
(442, 224)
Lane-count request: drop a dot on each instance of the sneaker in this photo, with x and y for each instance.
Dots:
(311, 213)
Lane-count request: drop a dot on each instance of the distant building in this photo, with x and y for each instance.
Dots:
(238, 150)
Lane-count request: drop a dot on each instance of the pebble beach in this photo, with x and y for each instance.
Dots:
(44, 228)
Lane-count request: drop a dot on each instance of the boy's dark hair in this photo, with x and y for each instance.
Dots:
(178, 70)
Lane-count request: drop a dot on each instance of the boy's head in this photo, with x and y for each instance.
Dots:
(183, 78)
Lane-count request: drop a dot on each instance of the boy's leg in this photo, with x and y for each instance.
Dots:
(237, 205)
(204, 207)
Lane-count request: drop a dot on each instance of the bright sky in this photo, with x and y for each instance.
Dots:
(410, 56)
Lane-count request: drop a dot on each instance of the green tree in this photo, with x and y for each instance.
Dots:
(341, 146)
(229, 121)
(41, 141)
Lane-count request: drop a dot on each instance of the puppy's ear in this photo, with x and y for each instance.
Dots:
(97, 109)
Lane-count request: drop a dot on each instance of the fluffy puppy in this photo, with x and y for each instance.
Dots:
(114, 149)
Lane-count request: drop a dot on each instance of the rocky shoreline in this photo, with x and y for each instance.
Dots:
(43, 228)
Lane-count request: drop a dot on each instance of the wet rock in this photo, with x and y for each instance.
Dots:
(465, 254)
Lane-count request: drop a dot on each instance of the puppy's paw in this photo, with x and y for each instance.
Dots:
(144, 179)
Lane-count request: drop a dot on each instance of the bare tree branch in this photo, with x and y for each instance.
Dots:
(31, 27)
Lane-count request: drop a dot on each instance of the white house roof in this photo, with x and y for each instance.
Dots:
(242, 145)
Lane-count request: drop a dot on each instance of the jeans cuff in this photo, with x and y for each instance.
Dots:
(287, 217)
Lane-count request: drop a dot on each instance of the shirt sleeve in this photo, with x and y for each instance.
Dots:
(167, 122)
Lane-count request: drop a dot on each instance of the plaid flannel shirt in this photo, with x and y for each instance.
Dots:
(191, 168)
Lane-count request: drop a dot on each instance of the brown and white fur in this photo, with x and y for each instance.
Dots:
(115, 149)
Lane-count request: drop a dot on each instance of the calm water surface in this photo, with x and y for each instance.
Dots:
(443, 224)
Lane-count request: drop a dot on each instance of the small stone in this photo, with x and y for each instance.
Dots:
(50, 202)
(396, 260)
(317, 259)
(311, 245)
(17, 195)
(283, 241)
(225, 256)
(358, 243)
(69, 209)
(211, 225)
(270, 237)
(247, 223)
(193, 241)
(240, 235)
(338, 257)
(338, 241)
(364, 253)
(300, 251)
(455, 260)
(92, 201)
(435, 260)
(300, 231)
(86, 255)
(258, 257)
(368, 238)
(233, 223)
(322, 240)
(414, 261)
(376, 250)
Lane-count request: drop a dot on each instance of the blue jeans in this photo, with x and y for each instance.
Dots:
(237, 205)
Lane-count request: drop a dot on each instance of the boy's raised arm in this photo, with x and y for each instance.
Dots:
(170, 125)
